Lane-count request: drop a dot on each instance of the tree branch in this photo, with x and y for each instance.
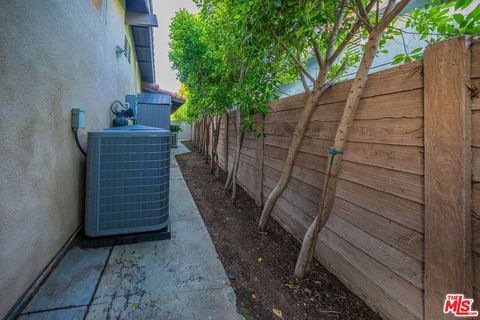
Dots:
(339, 73)
(392, 12)
(335, 30)
(350, 35)
(304, 83)
(293, 57)
(404, 44)
(389, 6)
(302, 76)
(317, 52)
(362, 14)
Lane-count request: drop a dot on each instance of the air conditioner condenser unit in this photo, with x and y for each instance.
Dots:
(128, 171)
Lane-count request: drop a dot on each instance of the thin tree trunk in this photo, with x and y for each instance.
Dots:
(297, 138)
(236, 163)
(217, 162)
(212, 162)
(228, 182)
(320, 86)
(239, 130)
(199, 132)
(335, 153)
(214, 168)
(225, 151)
(204, 137)
(194, 134)
(197, 136)
(207, 140)
(200, 136)
(334, 159)
(213, 143)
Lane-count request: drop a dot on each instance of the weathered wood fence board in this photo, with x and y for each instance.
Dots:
(448, 168)
(394, 106)
(475, 106)
(376, 240)
(475, 69)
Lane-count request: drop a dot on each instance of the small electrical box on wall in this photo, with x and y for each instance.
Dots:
(78, 118)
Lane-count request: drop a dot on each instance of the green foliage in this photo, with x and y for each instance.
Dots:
(299, 27)
(436, 21)
(192, 57)
(175, 128)
(221, 61)
(235, 53)
(181, 114)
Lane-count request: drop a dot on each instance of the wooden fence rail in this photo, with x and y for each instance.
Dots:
(405, 228)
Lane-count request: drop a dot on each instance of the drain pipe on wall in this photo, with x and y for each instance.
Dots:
(78, 122)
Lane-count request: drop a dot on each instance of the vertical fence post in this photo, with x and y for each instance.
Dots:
(259, 161)
(447, 120)
(225, 154)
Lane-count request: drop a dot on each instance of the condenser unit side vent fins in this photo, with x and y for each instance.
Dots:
(128, 174)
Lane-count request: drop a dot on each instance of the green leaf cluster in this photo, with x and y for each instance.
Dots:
(438, 20)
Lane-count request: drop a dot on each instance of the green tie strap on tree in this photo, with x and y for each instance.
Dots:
(325, 30)
(334, 152)
(375, 32)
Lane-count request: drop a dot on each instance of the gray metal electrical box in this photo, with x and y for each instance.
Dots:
(78, 118)
(154, 110)
(128, 171)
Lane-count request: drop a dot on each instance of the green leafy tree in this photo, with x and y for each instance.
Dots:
(251, 45)
(194, 57)
(325, 31)
(378, 28)
(436, 21)
(247, 74)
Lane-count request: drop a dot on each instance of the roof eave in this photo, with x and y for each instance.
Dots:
(141, 19)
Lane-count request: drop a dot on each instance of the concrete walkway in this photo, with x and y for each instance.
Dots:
(181, 278)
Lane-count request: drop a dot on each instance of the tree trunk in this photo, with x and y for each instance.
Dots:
(194, 134)
(236, 163)
(200, 136)
(335, 156)
(225, 151)
(214, 168)
(204, 137)
(214, 133)
(207, 140)
(297, 138)
(201, 133)
(240, 134)
(228, 183)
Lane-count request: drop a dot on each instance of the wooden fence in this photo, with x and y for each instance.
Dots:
(402, 234)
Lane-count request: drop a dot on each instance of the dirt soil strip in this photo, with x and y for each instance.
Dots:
(260, 265)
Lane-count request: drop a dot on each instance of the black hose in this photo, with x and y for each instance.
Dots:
(77, 141)
(114, 110)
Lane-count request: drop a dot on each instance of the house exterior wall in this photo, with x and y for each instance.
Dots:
(186, 133)
(55, 55)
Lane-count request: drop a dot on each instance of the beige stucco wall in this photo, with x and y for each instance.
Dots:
(186, 133)
(55, 55)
